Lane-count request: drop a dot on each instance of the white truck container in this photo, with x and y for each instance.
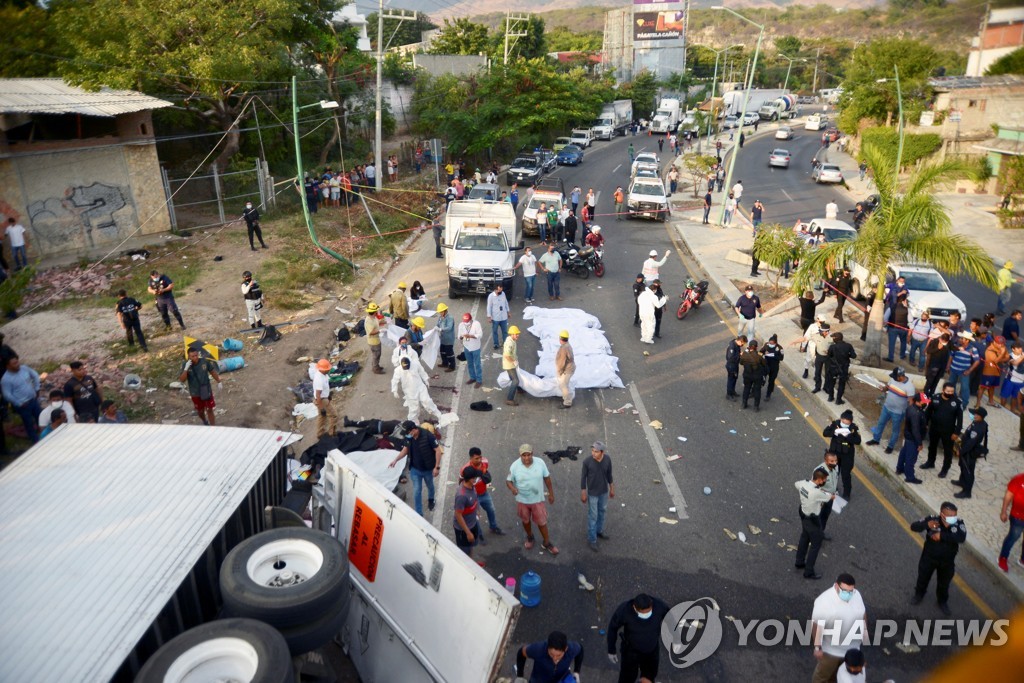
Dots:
(666, 119)
(480, 242)
(733, 100)
(613, 119)
(781, 108)
(412, 588)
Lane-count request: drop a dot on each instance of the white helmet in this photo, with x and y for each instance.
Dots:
(595, 228)
(572, 253)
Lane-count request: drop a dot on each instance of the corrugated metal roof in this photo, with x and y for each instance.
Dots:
(99, 524)
(54, 96)
(967, 82)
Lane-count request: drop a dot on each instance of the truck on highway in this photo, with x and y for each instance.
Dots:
(480, 247)
(733, 100)
(613, 119)
(780, 108)
(666, 119)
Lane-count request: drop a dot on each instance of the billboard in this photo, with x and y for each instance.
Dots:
(658, 25)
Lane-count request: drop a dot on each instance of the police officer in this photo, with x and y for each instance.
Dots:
(638, 288)
(840, 353)
(845, 437)
(945, 416)
(658, 310)
(162, 287)
(812, 498)
(253, 296)
(252, 224)
(831, 487)
(640, 621)
(943, 535)
(973, 445)
(732, 365)
(773, 357)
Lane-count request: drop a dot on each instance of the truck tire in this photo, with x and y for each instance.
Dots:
(284, 577)
(317, 633)
(223, 650)
(452, 294)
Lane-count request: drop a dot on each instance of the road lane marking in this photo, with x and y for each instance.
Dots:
(671, 485)
(616, 169)
(787, 195)
(968, 592)
(441, 484)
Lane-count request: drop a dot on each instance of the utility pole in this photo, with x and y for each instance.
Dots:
(510, 20)
(377, 155)
(686, 26)
(981, 40)
(814, 83)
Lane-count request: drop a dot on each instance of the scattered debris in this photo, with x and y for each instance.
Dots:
(673, 458)
(780, 419)
(732, 431)
(671, 509)
(584, 584)
(908, 648)
(646, 353)
(707, 490)
(731, 535)
(753, 529)
(656, 424)
(619, 411)
(774, 519)
(742, 536)
(681, 438)
(666, 520)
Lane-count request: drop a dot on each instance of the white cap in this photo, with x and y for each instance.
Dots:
(654, 252)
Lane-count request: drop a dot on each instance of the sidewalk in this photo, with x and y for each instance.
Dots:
(711, 245)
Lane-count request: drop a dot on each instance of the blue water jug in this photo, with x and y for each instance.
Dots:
(229, 364)
(230, 344)
(529, 589)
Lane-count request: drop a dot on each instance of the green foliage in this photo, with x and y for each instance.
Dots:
(1011, 179)
(697, 167)
(903, 5)
(460, 37)
(775, 245)
(28, 36)
(562, 39)
(643, 90)
(788, 45)
(530, 46)
(915, 147)
(398, 68)
(12, 290)
(399, 32)
(1012, 63)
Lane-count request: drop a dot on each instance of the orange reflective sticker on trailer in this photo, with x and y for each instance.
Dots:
(365, 539)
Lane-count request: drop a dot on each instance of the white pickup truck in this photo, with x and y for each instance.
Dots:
(582, 137)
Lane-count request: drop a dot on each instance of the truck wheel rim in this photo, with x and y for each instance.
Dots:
(284, 563)
(222, 660)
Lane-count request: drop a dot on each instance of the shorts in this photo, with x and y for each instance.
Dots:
(335, 192)
(462, 540)
(990, 380)
(200, 404)
(532, 512)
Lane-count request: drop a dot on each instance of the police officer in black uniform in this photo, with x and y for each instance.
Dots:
(658, 310)
(639, 620)
(253, 296)
(773, 357)
(973, 445)
(638, 288)
(252, 223)
(128, 312)
(845, 437)
(945, 416)
(943, 535)
(838, 369)
(732, 365)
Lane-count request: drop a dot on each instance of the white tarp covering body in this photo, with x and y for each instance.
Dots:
(596, 368)
(431, 343)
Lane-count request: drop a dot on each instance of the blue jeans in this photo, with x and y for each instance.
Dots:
(727, 219)
(879, 429)
(917, 347)
(907, 459)
(514, 376)
(418, 478)
(473, 364)
(895, 334)
(554, 280)
(496, 327)
(596, 505)
(530, 281)
(29, 413)
(1016, 529)
(20, 261)
(963, 384)
(488, 505)
(542, 225)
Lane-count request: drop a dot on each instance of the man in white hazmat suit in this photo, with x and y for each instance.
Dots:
(413, 380)
(649, 302)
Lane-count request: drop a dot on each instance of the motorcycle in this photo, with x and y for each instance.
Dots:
(581, 261)
(692, 297)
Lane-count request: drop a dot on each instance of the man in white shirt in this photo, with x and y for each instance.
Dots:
(371, 176)
(839, 624)
(737, 191)
(852, 669)
(497, 315)
(471, 332)
(528, 262)
(831, 210)
(16, 233)
(652, 265)
(57, 402)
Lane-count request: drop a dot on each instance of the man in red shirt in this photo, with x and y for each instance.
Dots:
(1012, 510)
(483, 495)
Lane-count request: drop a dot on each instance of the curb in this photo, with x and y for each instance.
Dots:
(378, 280)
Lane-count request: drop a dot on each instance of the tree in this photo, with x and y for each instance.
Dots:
(776, 245)
(1011, 178)
(561, 39)
(643, 90)
(209, 52)
(399, 32)
(530, 46)
(697, 167)
(788, 45)
(28, 36)
(910, 224)
(1012, 63)
(460, 37)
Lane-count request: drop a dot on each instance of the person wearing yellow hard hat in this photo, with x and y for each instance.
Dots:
(399, 306)
(446, 332)
(371, 325)
(1004, 283)
(565, 367)
(416, 330)
(326, 419)
(510, 364)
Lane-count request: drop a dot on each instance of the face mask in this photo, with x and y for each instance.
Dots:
(248, 206)
(56, 404)
(845, 596)
(645, 615)
(951, 520)
(404, 346)
(750, 294)
(846, 424)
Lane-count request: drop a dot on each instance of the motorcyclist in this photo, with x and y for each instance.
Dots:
(595, 239)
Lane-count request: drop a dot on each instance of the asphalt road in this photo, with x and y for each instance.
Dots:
(748, 460)
(790, 194)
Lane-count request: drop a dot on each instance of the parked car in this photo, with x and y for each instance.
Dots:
(525, 170)
(779, 158)
(547, 159)
(750, 118)
(485, 191)
(833, 134)
(827, 173)
(645, 160)
(730, 122)
(928, 289)
(784, 133)
(581, 137)
(831, 230)
(570, 155)
(561, 143)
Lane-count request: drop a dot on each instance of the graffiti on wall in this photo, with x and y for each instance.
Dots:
(86, 215)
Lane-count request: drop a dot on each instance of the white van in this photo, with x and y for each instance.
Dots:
(815, 122)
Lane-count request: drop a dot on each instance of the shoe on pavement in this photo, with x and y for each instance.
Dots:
(813, 576)
(1003, 564)
(840, 402)
(942, 474)
(483, 539)
(550, 547)
(805, 374)
(564, 407)
(826, 537)
(477, 385)
(1017, 448)
(944, 608)
(593, 546)
(915, 480)
(1020, 563)
(962, 494)
(430, 504)
(927, 466)
(529, 543)
(511, 403)
(916, 600)
(497, 531)
(470, 381)
(800, 565)
(873, 442)
(888, 450)
(602, 536)
(956, 482)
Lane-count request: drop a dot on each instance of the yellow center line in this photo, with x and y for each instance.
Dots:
(973, 596)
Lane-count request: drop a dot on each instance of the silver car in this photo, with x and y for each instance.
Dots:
(827, 173)
(784, 133)
(779, 158)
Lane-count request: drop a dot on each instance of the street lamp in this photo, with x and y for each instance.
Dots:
(714, 82)
(790, 67)
(323, 104)
(746, 100)
(899, 104)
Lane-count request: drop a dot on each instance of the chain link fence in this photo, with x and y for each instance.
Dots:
(204, 201)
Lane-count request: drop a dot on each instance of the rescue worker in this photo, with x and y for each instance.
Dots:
(404, 350)
(944, 533)
(252, 224)
(639, 620)
(326, 419)
(831, 487)
(649, 302)
(565, 367)
(253, 296)
(652, 264)
(399, 306)
(413, 379)
(371, 325)
(416, 332)
(446, 332)
(510, 364)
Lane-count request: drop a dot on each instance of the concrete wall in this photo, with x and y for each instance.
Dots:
(75, 200)
(457, 65)
(980, 109)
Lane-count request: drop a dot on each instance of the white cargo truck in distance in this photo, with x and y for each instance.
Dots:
(781, 108)
(733, 100)
(666, 119)
(480, 243)
(614, 118)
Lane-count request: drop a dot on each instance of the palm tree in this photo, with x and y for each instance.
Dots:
(909, 225)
